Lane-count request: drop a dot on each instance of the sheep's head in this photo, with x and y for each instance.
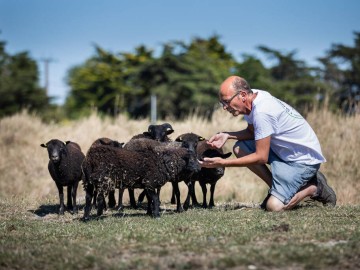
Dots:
(56, 149)
(211, 153)
(110, 142)
(189, 140)
(159, 132)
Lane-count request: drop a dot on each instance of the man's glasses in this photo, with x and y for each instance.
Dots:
(227, 102)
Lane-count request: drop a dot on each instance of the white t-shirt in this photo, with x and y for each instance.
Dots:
(292, 138)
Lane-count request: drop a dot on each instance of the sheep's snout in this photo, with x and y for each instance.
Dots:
(55, 158)
(193, 164)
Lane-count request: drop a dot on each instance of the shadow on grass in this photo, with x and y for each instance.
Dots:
(48, 209)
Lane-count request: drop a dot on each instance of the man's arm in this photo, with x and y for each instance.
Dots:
(259, 157)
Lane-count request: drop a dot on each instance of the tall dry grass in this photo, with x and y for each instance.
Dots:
(23, 163)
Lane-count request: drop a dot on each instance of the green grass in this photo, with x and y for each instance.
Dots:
(33, 236)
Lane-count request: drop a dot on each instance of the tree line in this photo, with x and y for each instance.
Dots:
(185, 78)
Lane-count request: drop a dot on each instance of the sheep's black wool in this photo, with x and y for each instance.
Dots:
(65, 169)
(87, 168)
(155, 132)
(209, 175)
(148, 169)
(205, 176)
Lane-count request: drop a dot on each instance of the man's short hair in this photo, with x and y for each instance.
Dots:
(241, 84)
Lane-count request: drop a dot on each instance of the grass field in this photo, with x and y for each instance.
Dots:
(230, 236)
(235, 234)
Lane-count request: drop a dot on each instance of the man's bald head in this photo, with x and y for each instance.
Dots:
(234, 84)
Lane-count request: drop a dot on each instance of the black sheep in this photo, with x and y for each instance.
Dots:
(87, 169)
(65, 169)
(149, 169)
(155, 132)
(208, 175)
(190, 141)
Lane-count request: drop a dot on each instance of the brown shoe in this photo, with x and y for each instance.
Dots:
(324, 193)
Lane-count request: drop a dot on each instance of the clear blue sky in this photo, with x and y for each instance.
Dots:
(65, 30)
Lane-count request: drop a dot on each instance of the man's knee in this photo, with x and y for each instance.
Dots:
(274, 204)
(238, 151)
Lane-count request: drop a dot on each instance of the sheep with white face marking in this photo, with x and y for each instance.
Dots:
(155, 132)
(65, 169)
(149, 169)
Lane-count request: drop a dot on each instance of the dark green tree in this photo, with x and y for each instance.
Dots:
(185, 78)
(347, 59)
(292, 80)
(19, 87)
(253, 70)
(104, 82)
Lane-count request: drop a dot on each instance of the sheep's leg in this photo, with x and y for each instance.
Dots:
(100, 203)
(176, 192)
(173, 196)
(193, 195)
(187, 200)
(88, 198)
(212, 191)
(132, 198)
(204, 191)
(155, 205)
(149, 210)
(69, 204)
(112, 201)
(73, 196)
(120, 206)
(141, 198)
(95, 199)
(61, 197)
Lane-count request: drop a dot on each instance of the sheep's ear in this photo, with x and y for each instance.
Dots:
(118, 144)
(201, 138)
(227, 155)
(179, 139)
(168, 127)
(43, 145)
(102, 141)
(150, 128)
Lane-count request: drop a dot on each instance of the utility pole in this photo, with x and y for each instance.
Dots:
(46, 61)
(153, 109)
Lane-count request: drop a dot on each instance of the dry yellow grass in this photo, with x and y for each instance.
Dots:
(23, 163)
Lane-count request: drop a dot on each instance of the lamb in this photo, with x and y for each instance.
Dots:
(206, 175)
(149, 169)
(155, 132)
(88, 169)
(190, 141)
(65, 169)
